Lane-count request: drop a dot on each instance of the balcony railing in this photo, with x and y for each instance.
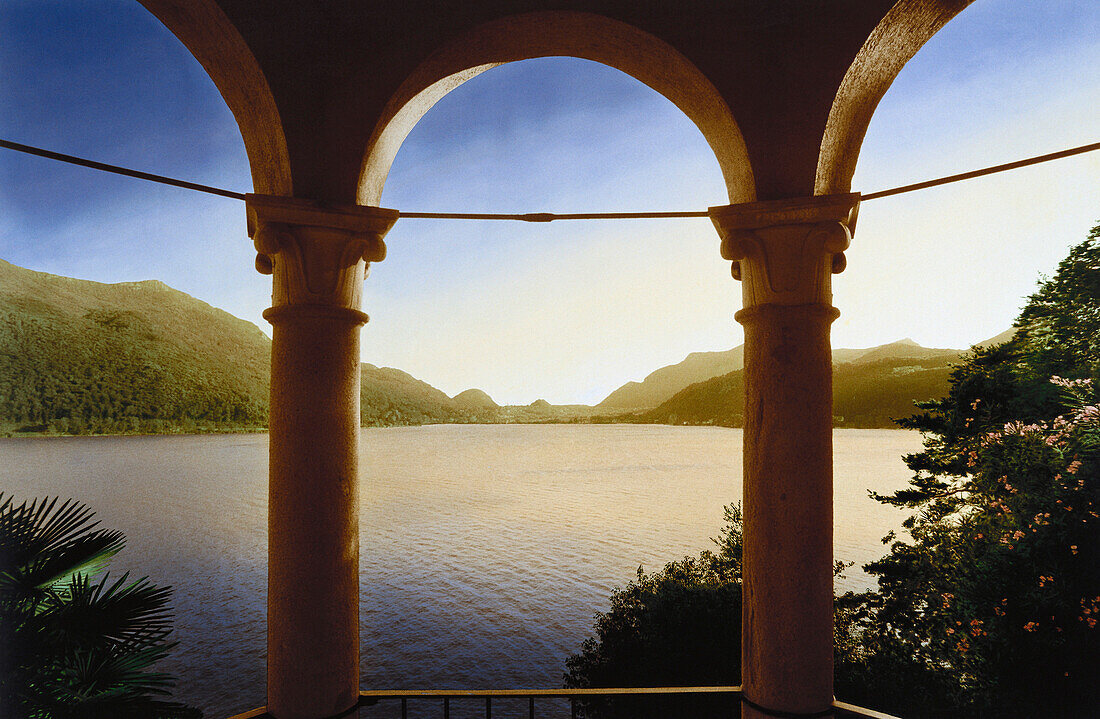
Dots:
(444, 697)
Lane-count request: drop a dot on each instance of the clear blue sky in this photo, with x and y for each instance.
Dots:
(589, 305)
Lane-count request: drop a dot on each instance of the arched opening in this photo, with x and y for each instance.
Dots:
(452, 65)
(987, 88)
(544, 34)
(904, 29)
(563, 312)
(113, 299)
(566, 135)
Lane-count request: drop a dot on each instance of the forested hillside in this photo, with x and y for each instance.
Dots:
(389, 396)
(663, 383)
(86, 357)
(81, 357)
(870, 391)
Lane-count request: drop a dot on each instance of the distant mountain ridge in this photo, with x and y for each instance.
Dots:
(78, 356)
(663, 384)
(869, 394)
(872, 387)
(85, 357)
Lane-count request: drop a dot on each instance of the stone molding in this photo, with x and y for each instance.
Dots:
(785, 251)
(318, 255)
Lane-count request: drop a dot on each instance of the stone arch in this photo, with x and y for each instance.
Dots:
(547, 34)
(209, 35)
(895, 40)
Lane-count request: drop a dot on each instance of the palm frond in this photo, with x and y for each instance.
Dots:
(72, 645)
(127, 612)
(43, 544)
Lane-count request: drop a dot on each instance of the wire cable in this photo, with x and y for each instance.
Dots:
(104, 167)
(979, 173)
(541, 216)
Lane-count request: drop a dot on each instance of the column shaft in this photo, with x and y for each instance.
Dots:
(787, 620)
(785, 253)
(313, 528)
(319, 257)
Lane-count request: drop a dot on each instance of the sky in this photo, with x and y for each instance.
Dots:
(571, 310)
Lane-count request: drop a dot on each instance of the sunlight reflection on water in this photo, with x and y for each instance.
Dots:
(485, 550)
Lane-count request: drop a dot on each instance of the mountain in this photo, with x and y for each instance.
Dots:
(86, 357)
(871, 389)
(902, 349)
(870, 394)
(998, 339)
(662, 384)
(474, 399)
(389, 396)
(79, 356)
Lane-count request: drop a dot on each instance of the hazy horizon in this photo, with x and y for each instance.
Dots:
(590, 305)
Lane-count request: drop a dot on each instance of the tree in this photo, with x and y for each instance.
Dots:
(680, 626)
(990, 606)
(73, 646)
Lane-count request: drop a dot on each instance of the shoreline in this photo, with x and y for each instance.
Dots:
(14, 434)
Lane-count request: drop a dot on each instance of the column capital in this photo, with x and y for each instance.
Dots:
(319, 254)
(784, 251)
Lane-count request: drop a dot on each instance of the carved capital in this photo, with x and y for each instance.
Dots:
(319, 255)
(786, 251)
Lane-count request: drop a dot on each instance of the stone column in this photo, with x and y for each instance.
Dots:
(319, 257)
(784, 252)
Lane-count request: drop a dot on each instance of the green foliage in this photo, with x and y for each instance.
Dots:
(867, 393)
(80, 357)
(74, 647)
(990, 606)
(1061, 322)
(680, 626)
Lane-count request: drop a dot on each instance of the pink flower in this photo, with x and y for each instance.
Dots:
(1070, 383)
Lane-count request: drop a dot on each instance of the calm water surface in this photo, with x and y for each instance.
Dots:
(486, 550)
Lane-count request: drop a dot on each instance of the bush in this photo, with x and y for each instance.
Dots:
(680, 626)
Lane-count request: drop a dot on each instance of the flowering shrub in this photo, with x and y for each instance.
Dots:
(990, 606)
(993, 606)
(1026, 537)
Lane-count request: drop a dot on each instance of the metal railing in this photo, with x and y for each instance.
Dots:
(840, 710)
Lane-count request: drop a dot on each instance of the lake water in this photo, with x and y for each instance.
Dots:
(486, 549)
